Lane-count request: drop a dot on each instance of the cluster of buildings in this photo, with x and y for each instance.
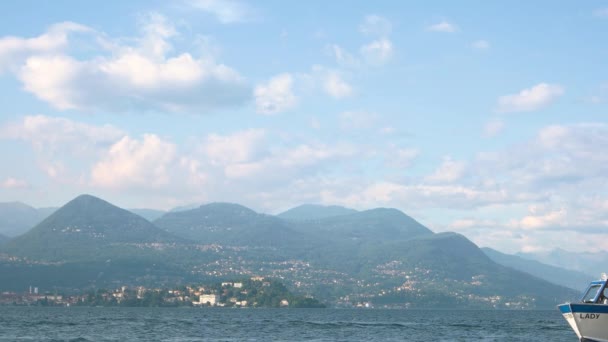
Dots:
(233, 294)
(33, 297)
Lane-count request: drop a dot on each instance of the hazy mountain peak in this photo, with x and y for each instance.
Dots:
(16, 218)
(83, 225)
(86, 199)
(385, 211)
(226, 206)
(557, 275)
(228, 224)
(315, 211)
(184, 207)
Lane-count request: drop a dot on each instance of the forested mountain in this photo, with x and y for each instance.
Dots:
(230, 224)
(371, 225)
(381, 255)
(86, 228)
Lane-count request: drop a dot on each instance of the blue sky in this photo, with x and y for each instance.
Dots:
(488, 119)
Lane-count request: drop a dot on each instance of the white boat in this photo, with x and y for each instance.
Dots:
(589, 317)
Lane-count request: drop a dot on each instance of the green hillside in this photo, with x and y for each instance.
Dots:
(380, 224)
(88, 228)
(231, 224)
(381, 256)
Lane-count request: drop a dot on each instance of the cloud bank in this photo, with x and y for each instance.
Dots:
(135, 74)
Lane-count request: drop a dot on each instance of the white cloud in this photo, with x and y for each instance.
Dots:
(309, 154)
(14, 183)
(448, 172)
(262, 163)
(334, 85)
(314, 123)
(443, 26)
(226, 11)
(238, 147)
(14, 49)
(480, 45)
(376, 25)
(536, 220)
(343, 57)
(156, 30)
(52, 133)
(601, 12)
(125, 77)
(377, 52)
(61, 146)
(286, 164)
(531, 99)
(135, 163)
(401, 158)
(197, 175)
(493, 128)
(276, 95)
(357, 120)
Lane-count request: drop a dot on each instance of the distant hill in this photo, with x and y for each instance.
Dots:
(17, 218)
(3, 239)
(148, 214)
(452, 263)
(557, 275)
(230, 224)
(46, 212)
(184, 207)
(86, 228)
(314, 212)
(380, 255)
(585, 262)
(369, 225)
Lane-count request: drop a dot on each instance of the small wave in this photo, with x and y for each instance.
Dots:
(332, 325)
(54, 323)
(464, 325)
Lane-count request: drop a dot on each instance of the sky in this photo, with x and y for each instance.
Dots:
(484, 118)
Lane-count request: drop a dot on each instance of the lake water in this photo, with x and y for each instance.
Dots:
(213, 324)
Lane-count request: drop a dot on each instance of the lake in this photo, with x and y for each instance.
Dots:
(216, 324)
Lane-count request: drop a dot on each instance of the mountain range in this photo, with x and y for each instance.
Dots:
(3, 239)
(16, 218)
(569, 278)
(336, 254)
(593, 263)
(86, 228)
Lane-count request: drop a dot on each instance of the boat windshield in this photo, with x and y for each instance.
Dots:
(591, 293)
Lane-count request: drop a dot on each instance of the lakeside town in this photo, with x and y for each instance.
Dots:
(253, 292)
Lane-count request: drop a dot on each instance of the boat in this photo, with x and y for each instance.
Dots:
(589, 316)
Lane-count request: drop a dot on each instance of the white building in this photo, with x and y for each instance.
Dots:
(208, 299)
